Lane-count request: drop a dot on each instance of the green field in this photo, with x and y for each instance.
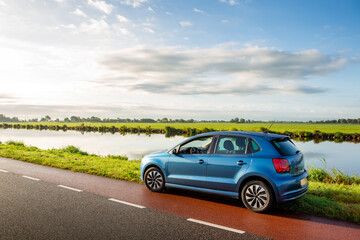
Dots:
(276, 127)
(326, 198)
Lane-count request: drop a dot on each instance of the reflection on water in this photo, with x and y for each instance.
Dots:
(131, 145)
(344, 156)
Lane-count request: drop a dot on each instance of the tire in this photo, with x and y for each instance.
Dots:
(257, 196)
(154, 179)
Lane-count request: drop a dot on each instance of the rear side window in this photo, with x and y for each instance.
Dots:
(254, 147)
(285, 146)
(231, 145)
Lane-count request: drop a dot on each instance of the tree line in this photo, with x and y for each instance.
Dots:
(93, 119)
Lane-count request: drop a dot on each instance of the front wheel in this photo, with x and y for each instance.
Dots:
(154, 179)
(257, 196)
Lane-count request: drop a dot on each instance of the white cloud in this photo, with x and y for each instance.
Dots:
(198, 10)
(122, 19)
(60, 1)
(133, 3)
(185, 23)
(94, 26)
(101, 5)
(79, 12)
(68, 26)
(121, 30)
(230, 2)
(151, 10)
(149, 30)
(244, 71)
(2, 3)
(224, 21)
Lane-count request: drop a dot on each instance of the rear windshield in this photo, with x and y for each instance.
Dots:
(285, 146)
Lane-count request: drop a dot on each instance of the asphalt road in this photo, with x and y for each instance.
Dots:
(34, 209)
(46, 211)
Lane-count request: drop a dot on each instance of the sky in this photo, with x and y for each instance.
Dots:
(200, 59)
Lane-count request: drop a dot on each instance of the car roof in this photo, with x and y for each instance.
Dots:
(268, 136)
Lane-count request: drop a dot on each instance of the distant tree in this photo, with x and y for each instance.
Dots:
(75, 119)
(3, 118)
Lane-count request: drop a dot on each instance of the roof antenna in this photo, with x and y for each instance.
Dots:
(267, 130)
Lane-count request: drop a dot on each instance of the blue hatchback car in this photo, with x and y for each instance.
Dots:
(258, 168)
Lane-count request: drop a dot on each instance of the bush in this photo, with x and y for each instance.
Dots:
(15, 143)
(72, 149)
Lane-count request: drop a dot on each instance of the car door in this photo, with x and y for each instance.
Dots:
(228, 163)
(188, 165)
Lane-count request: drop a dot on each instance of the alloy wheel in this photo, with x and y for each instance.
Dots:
(256, 196)
(154, 180)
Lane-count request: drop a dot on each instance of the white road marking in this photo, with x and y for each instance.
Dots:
(3, 170)
(31, 178)
(70, 188)
(216, 226)
(127, 203)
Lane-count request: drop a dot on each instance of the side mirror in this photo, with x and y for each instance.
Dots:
(174, 151)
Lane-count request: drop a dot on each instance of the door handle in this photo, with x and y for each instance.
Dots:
(241, 162)
(201, 161)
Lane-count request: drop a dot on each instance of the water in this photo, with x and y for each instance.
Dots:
(344, 156)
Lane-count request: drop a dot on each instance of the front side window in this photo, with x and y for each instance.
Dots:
(196, 146)
(231, 145)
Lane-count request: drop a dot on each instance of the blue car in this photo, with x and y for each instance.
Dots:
(258, 168)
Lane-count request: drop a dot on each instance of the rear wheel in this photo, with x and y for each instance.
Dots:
(257, 196)
(154, 179)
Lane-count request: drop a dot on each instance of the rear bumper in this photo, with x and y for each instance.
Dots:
(291, 188)
(294, 194)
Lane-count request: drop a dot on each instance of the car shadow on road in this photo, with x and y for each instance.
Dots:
(274, 211)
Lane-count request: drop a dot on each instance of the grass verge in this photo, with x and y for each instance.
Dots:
(72, 158)
(327, 198)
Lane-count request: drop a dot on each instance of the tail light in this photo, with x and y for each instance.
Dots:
(281, 165)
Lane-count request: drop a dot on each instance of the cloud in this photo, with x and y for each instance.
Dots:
(94, 26)
(185, 23)
(230, 2)
(198, 10)
(133, 3)
(224, 21)
(6, 97)
(79, 13)
(122, 19)
(151, 10)
(217, 70)
(149, 30)
(101, 5)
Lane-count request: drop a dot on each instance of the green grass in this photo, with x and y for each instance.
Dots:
(276, 127)
(326, 198)
(336, 201)
(74, 159)
(333, 175)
